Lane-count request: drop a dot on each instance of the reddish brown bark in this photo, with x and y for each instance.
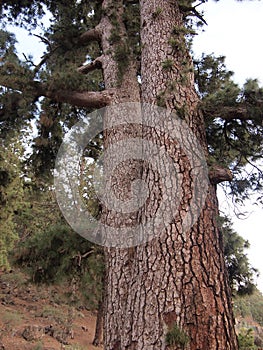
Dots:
(178, 280)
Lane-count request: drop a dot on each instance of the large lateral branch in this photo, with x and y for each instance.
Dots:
(218, 174)
(230, 113)
(88, 99)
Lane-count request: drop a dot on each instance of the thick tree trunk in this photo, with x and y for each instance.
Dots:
(172, 292)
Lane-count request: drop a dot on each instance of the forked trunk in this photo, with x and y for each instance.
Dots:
(171, 292)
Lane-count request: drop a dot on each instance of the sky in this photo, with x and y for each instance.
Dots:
(234, 30)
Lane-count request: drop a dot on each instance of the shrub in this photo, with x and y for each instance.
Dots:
(58, 254)
(176, 336)
(246, 339)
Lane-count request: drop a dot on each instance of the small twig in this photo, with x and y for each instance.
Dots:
(83, 256)
(45, 58)
(254, 166)
(87, 253)
(28, 60)
(43, 39)
(200, 3)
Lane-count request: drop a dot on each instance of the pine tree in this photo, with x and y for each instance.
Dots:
(172, 291)
(241, 274)
(11, 197)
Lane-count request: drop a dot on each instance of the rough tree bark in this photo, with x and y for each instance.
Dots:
(172, 292)
(175, 285)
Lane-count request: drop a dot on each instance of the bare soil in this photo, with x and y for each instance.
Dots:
(40, 317)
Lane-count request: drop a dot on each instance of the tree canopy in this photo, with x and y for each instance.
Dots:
(54, 91)
(99, 53)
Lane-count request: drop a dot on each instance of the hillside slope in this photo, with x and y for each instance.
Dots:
(39, 318)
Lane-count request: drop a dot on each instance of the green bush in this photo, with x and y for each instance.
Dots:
(176, 336)
(58, 254)
(11, 197)
(246, 339)
(251, 306)
(52, 255)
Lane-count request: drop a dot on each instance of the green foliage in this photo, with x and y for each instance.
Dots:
(131, 20)
(161, 102)
(40, 211)
(174, 43)
(122, 57)
(157, 13)
(11, 319)
(46, 144)
(52, 254)
(16, 279)
(53, 314)
(179, 30)
(15, 111)
(211, 74)
(168, 64)
(58, 254)
(125, 47)
(86, 188)
(28, 13)
(91, 280)
(233, 141)
(241, 274)
(250, 306)
(246, 339)
(176, 336)
(39, 346)
(191, 16)
(7, 46)
(177, 40)
(11, 196)
(24, 12)
(233, 117)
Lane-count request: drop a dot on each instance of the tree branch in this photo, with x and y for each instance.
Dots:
(88, 99)
(43, 40)
(229, 113)
(44, 59)
(89, 36)
(87, 68)
(219, 174)
(191, 11)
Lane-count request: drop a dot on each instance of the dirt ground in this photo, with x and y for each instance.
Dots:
(38, 318)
